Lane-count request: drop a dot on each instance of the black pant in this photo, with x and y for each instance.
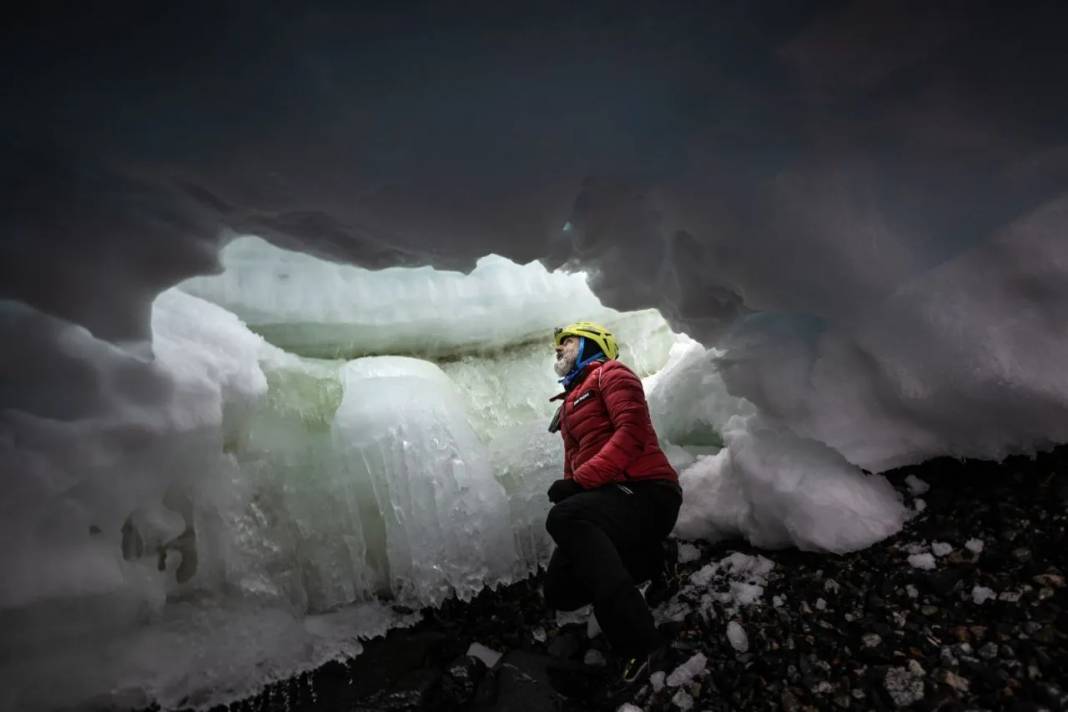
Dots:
(606, 542)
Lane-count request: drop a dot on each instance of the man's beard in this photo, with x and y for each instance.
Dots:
(563, 365)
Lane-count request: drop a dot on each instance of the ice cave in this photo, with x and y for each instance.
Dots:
(278, 291)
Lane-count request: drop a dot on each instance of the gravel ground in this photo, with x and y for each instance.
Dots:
(965, 609)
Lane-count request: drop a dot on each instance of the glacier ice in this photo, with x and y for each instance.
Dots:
(267, 480)
(313, 307)
(401, 428)
(224, 479)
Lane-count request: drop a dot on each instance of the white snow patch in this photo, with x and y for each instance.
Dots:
(916, 485)
(682, 700)
(922, 561)
(941, 548)
(688, 553)
(689, 670)
(778, 489)
(745, 594)
(486, 655)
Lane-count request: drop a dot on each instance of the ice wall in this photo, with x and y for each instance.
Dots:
(227, 481)
(313, 307)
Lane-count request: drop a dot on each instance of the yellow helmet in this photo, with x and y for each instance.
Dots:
(594, 332)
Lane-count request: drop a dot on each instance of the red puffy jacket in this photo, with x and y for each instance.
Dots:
(608, 436)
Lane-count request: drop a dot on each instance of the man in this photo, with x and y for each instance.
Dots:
(617, 501)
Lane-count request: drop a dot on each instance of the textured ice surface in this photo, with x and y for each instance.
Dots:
(314, 307)
(401, 428)
(303, 489)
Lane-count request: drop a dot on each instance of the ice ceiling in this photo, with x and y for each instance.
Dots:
(858, 210)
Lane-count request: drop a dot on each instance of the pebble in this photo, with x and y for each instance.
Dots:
(682, 700)
(916, 485)
(872, 640)
(922, 561)
(905, 689)
(595, 658)
(1049, 580)
(737, 637)
(954, 680)
(941, 548)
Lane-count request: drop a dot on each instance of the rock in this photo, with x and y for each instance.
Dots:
(950, 678)
(788, 701)
(737, 637)
(903, 687)
(1049, 580)
(487, 655)
(527, 682)
(944, 582)
(461, 678)
(595, 658)
(411, 693)
(682, 700)
(566, 645)
(872, 640)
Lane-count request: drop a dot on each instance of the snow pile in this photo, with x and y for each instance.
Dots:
(949, 362)
(777, 489)
(736, 581)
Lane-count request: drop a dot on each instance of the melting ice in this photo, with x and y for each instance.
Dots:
(314, 443)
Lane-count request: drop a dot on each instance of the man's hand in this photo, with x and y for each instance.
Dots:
(562, 489)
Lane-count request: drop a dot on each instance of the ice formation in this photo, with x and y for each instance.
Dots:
(228, 480)
(409, 466)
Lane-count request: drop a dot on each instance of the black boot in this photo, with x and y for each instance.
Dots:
(666, 579)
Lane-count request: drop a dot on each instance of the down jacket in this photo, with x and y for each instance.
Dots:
(608, 436)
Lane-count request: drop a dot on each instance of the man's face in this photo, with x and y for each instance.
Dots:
(566, 355)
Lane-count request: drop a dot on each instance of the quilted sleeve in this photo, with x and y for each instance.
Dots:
(624, 399)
